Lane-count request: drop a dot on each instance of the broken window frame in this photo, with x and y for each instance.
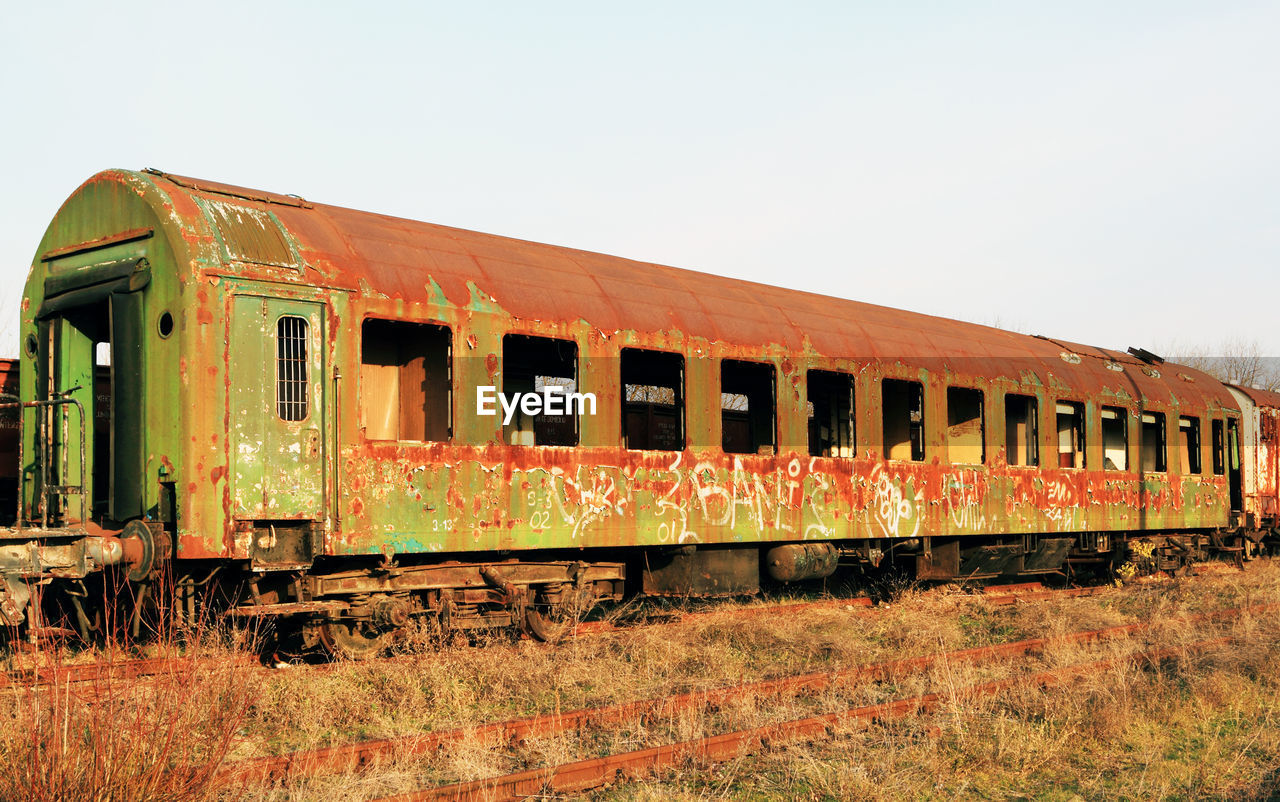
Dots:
(1071, 412)
(1030, 406)
(651, 407)
(1120, 414)
(736, 407)
(1154, 431)
(840, 404)
(953, 393)
(519, 377)
(1235, 460)
(898, 396)
(1219, 445)
(399, 334)
(1190, 461)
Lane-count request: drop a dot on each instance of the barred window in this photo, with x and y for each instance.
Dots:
(291, 368)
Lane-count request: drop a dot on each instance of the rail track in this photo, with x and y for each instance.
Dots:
(992, 594)
(121, 669)
(593, 773)
(114, 670)
(359, 755)
(800, 690)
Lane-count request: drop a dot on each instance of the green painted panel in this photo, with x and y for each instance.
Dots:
(277, 404)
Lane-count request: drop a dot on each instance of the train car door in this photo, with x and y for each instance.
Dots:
(276, 362)
(1233, 465)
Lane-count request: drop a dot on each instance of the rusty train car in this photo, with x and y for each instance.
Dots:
(305, 406)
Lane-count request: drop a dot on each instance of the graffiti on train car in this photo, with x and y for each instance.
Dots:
(791, 500)
(436, 500)
(896, 505)
(965, 492)
(572, 501)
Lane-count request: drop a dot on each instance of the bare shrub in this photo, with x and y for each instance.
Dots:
(161, 737)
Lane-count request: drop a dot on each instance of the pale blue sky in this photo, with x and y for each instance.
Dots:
(1098, 171)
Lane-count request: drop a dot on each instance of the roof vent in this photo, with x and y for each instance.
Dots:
(249, 234)
(1146, 356)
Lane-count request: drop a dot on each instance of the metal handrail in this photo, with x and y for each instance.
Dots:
(46, 489)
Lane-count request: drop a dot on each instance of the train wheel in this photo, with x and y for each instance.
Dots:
(1249, 549)
(352, 640)
(548, 628)
(551, 620)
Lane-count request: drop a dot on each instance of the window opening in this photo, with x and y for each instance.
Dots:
(1233, 445)
(547, 367)
(903, 414)
(966, 426)
(748, 421)
(1154, 458)
(652, 400)
(1219, 448)
(1189, 431)
(1022, 429)
(405, 382)
(291, 368)
(830, 407)
(1071, 434)
(1115, 439)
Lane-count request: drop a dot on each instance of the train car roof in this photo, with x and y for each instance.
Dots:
(380, 255)
(1263, 398)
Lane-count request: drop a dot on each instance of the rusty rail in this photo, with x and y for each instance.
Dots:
(347, 757)
(601, 627)
(587, 774)
(1014, 587)
(998, 595)
(93, 672)
(1040, 595)
(36, 677)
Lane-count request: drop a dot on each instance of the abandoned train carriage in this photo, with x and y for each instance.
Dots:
(294, 402)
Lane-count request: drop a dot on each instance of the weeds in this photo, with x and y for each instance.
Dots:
(1203, 725)
(161, 737)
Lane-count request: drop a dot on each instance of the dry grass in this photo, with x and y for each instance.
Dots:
(162, 737)
(1203, 726)
(998, 748)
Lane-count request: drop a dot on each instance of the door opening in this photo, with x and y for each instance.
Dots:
(92, 355)
(1233, 464)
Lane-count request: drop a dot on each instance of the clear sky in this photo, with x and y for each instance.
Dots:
(1104, 172)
